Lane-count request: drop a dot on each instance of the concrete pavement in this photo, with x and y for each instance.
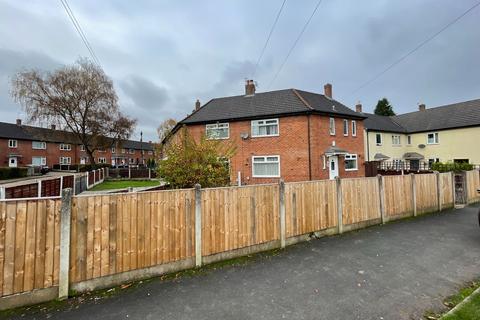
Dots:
(395, 271)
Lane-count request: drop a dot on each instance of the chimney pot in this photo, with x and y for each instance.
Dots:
(53, 127)
(19, 122)
(421, 107)
(328, 90)
(249, 88)
(358, 107)
(197, 105)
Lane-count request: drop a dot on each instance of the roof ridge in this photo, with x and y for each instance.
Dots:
(302, 99)
(438, 107)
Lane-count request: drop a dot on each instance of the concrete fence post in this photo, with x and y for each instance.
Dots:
(439, 190)
(88, 173)
(2, 192)
(465, 187)
(198, 225)
(74, 184)
(282, 213)
(414, 194)
(381, 193)
(65, 221)
(61, 185)
(339, 205)
(129, 172)
(149, 173)
(39, 188)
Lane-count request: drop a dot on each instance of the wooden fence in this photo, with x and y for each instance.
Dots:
(104, 240)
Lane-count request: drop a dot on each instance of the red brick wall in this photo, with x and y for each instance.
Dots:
(53, 153)
(292, 147)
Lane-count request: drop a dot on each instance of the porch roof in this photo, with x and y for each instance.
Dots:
(380, 157)
(413, 156)
(335, 151)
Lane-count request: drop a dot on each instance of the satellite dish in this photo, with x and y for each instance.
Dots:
(244, 135)
(421, 146)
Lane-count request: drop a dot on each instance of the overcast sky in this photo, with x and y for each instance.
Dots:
(163, 55)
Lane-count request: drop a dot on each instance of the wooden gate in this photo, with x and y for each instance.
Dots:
(460, 189)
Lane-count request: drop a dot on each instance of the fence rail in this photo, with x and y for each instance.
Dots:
(122, 237)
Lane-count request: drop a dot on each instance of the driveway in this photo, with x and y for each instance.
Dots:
(396, 271)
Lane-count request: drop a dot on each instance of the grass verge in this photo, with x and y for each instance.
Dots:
(122, 184)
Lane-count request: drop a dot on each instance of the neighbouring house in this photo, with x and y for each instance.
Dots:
(415, 140)
(22, 145)
(288, 134)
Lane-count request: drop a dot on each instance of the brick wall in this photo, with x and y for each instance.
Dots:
(297, 163)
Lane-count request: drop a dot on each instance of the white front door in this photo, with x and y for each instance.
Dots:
(12, 162)
(333, 167)
(82, 160)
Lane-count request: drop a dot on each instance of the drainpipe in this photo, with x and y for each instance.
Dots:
(368, 148)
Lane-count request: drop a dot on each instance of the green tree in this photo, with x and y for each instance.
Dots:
(188, 162)
(384, 108)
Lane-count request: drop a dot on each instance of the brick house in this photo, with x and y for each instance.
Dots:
(286, 134)
(22, 145)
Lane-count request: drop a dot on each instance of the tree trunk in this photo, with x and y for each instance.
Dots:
(90, 156)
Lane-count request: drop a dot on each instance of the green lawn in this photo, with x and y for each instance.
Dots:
(468, 311)
(120, 184)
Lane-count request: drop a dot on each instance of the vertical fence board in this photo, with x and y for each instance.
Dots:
(8, 271)
(40, 244)
(20, 246)
(3, 220)
(398, 196)
(30, 235)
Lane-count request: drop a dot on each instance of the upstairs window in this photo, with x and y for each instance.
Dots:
(217, 131)
(65, 147)
(354, 128)
(12, 143)
(396, 140)
(409, 139)
(345, 127)
(113, 150)
(39, 145)
(351, 162)
(131, 151)
(265, 128)
(102, 160)
(82, 147)
(432, 138)
(332, 126)
(378, 139)
(123, 150)
(150, 152)
(266, 166)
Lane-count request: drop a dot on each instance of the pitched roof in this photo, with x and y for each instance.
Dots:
(456, 115)
(23, 132)
(272, 103)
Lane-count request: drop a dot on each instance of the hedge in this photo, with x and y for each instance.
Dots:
(12, 173)
(451, 166)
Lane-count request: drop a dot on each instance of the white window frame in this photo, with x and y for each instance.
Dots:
(354, 128)
(399, 140)
(150, 152)
(262, 123)
(131, 151)
(65, 147)
(131, 160)
(113, 150)
(44, 145)
(345, 127)
(13, 144)
(62, 161)
(379, 134)
(351, 157)
(43, 160)
(265, 157)
(102, 160)
(123, 150)
(331, 127)
(436, 139)
(82, 147)
(215, 127)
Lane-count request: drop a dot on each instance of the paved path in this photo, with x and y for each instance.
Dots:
(396, 271)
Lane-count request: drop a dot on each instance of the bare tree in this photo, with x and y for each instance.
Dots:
(165, 128)
(79, 98)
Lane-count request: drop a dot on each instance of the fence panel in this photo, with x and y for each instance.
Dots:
(473, 183)
(446, 187)
(29, 245)
(426, 192)
(360, 200)
(310, 206)
(117, 233)
(398, 196)
(238, 217)
(51, 187)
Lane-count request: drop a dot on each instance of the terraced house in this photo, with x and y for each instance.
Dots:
(22, 145)
(290, 134)
(448, 133)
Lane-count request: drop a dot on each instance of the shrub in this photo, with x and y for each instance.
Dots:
(451, 166)
(12, 173)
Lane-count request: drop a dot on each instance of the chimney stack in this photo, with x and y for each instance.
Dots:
(328, 90)
(53, 127)
(197, 105)
(358, 107)
(19, 122)
(249, 88)
(421, 107)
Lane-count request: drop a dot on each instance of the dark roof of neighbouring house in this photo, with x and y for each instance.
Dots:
(264, 104)
(456, 115)
(24, 132)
